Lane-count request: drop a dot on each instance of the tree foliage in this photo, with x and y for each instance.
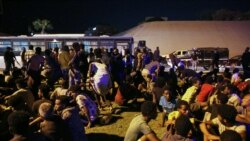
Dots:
(226, 15)
(42, 25)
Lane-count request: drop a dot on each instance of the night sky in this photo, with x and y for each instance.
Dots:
(75, 16)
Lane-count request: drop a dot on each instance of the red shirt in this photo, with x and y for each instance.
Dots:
(206, 89)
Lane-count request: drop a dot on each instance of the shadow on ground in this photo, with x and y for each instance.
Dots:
(103, 136)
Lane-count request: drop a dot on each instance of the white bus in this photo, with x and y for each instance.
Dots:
(46, 41)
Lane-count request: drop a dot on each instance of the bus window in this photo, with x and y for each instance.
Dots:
(5, 44)
(54, 44)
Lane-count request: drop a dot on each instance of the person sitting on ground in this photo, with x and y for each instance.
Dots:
(244, 113)
(52, 70)
(146, 87)
(224, 121)
(235, 76)
(22, 92)
(206, 90)
(230, 135)
(212, 110)
(168, 105)
(182, 109)
(179, 132)
(60, 90)
(71, 116)
(19, 127)
(191, 92)
(230, 91)
(244, 110)
(43, 95)
(139, 124)
(52, 126)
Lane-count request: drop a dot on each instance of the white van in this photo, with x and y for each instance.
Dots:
(181, 54)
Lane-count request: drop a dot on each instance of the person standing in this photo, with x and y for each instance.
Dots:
(245, 62)
(74, 64)
(8, 60)
(35, 65)
(29, 53)
(215, 59)
(100, 80)
(157, 54)
(194, 59)
(22, 54)
(63, 59)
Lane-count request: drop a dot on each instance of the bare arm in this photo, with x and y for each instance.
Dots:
(149, 137)
(207, 135)
(86, 111)
(242, 119)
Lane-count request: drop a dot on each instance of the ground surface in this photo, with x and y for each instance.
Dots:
(116, 130)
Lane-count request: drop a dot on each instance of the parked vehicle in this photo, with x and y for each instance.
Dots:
(205, 55)
(235, 61)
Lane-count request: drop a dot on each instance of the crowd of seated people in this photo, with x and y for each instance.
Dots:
(57, 98)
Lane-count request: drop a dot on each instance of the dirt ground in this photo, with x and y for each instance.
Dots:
(116, 129)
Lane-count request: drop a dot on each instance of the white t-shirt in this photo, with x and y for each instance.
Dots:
(238, 128)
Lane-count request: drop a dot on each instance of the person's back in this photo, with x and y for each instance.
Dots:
(179, 132)
(36, 61)
(71, 117)
(19, 127)
(137, 125)
(54, 128)
(63, 59)
(29, 53)
(139, 128)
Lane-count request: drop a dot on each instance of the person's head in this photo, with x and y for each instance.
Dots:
(230, 135)
(20, 83)
(167, 94)
(222, 98)
(182, 107)
(82, 47)
(115, 51)
(209, 80)
(47, 52)
(246, 101)
(61, 103)
(240, 78)
(196, 82)
(149, 77)
(227, 70)
(149, 110)
(236, 70)
(17, 103)
(31, 47)
(23, 49)
(18, 123)
(56, 49)
(43, 91)
(65, 48)
(64, 84)
(45, 110)
(8, 49)
(183, 126)
(247, 49)
(227, 114)
(75, 90)
(76, 46)
(38, 50)
(228, 89)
